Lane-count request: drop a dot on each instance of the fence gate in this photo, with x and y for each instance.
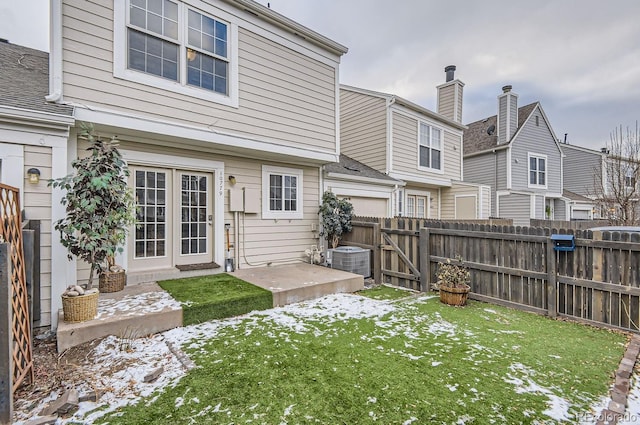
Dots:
(11, 233)
(401, 253)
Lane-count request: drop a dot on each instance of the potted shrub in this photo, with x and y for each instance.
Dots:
(453, 282)
(335, 217)
(100, 209)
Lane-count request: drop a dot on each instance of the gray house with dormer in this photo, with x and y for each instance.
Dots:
(517, 154)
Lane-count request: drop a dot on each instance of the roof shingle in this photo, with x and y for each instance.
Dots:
(476, 137)
(352, 167)
(24, 80)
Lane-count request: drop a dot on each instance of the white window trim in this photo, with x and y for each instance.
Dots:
(546, 170)
(417, 193)
(455, 204)
(266, 212)
(429, 169)
(120, 69)
(12, 168)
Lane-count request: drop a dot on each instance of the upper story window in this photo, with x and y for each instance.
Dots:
(282, 192)
(430, 147)
(172, 45)
(537, 171)
(630, 178)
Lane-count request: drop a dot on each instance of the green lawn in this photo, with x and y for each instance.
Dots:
(216, 297)
(350, 359)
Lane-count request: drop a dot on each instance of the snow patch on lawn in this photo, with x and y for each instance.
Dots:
(558, 407)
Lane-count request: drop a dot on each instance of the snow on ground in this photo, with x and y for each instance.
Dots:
(117, 368)
(136, 305)
(120, 365)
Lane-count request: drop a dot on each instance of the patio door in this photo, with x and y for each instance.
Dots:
(173, 218)
(195, 227)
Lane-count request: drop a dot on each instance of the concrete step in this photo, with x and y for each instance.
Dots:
(134, 312)
(293, 283)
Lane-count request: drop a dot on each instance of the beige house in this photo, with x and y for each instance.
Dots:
(33, 138)
(370, 192)
(416, 145)
(225, 112)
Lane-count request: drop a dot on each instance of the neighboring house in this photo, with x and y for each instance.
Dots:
(33, 135)
(411, 143)
(225, 112)
(370, 192)
(602, 175)
(583, 168)
(517, 154)
(580, 207)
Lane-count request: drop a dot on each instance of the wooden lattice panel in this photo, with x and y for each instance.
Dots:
(11, 232)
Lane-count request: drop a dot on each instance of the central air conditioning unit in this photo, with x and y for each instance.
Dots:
(351, 259)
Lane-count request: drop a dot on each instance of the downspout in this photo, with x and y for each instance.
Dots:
(495, 178)
(55, 56)
(390, 102)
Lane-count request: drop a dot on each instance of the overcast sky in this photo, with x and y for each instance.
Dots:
(579, 58)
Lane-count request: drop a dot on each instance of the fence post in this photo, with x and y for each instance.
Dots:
(552, 307)
(6, 338)
(377, 254)
(425, 260)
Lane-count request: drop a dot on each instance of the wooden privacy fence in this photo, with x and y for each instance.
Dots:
(20, 338)
(598, 282)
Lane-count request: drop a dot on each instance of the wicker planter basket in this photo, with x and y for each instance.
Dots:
(112, 281)
(454, 296)
(80, 308)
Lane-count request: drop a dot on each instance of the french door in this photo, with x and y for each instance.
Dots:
(173, 218)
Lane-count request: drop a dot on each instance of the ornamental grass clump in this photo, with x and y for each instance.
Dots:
(453, 274)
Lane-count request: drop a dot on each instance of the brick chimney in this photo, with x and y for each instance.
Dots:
(450, 96)
(507, 115)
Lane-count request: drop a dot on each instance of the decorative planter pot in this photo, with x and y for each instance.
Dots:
(80, 308)
(112, 281)
(454, 296)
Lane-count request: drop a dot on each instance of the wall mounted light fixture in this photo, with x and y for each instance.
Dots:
(232, 179)
(34, 175)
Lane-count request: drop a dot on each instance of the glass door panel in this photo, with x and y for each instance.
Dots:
(151, 241)
(196, 220)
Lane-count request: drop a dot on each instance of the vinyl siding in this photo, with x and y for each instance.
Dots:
(431, 193)
(559, 210)
(37, 206)
(535, 140)
(405, 152)
(502, 120)
(265, 240)
(580, 168)
(448, 203)
(487, 203)
(446, 101)
(481, 169)
(460, 103)
(363, 129)
(517, 207)
(284, 96)
(404, 133)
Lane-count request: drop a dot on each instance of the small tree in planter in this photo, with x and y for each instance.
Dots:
(335, 216)
(100, 206)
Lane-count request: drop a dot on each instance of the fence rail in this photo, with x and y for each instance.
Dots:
(598, 282)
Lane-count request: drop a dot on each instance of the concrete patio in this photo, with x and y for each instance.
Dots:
(144, 308)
